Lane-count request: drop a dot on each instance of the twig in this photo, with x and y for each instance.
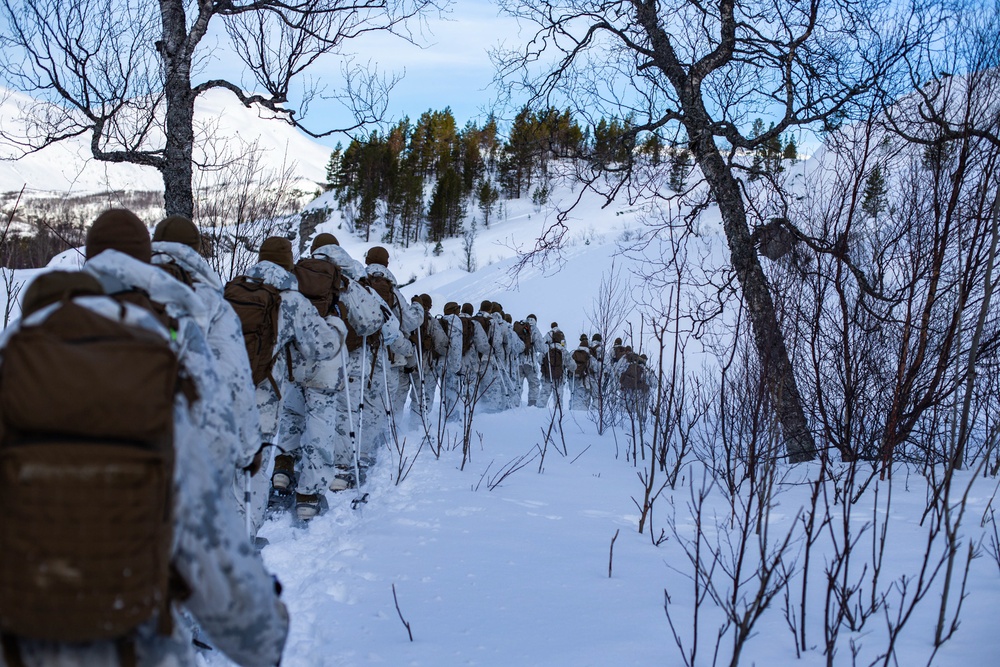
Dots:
(405, 623)
(579, 455)
(611, 552)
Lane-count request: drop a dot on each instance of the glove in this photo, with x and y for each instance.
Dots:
(257, 463)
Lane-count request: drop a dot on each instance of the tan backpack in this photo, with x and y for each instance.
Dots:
(258, 305)
(86, 479)
(319, 281)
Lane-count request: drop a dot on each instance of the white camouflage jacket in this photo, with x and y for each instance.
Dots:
(215, 416)
(533, 354)
(233, 597)
(225, 339)
(307, 336)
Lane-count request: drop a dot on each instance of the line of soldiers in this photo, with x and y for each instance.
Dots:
(298, 369)
(125, 406)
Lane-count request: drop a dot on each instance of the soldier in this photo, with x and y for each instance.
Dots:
(364, 315)
(513, 347)
(309, 408)
(582, 379)
(431, 344)
(556, 364)
(534, 349)
(634, 381)
(389, 357)
(229, 593)
(451, 368)
(475, 358)
(176, 249)
(492, 391)
(303, 339)
(118, 253)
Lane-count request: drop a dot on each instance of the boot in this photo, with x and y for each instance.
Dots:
(283, 477)
(309, 506)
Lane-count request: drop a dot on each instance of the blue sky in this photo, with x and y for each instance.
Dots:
(451, 69)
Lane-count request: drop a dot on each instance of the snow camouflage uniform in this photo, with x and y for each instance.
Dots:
(513, 347)
(215, 419)
(450, 366)
(550, 385)
(528, 361)
(366, 315)
(474, 361)
(225, 339)
(430, 344)
(400, 353)
(233, 598)
(634, 382)
(493, 387)
(308, 339)
(582, 379)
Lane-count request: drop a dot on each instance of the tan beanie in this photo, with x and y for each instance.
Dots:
(178, 229)
(122, 230)
(322, 240)
(278, 250)
(451, 308)
(467, 309)
(377, 255)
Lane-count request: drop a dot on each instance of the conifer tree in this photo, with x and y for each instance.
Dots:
(873, 199)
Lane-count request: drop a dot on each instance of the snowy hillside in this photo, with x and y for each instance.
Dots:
(67, 167)
(532, 555)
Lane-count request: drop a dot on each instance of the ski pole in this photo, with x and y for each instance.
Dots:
(420, 371)
(361, 417)
(246, 502)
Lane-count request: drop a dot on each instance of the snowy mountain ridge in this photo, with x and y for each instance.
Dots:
(69, 168)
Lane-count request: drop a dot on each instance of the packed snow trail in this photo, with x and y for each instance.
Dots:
(517, 575)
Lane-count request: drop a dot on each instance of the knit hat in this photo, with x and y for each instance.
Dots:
(178, 229)
(531, 318)
(54, 286)
(507, 318)
(497, 308)
(583, 338)
(277, 249)
(555, 325)
(618, 341)
(121, 230)
(467, 309)
(596, 337)
(486, 306)
(377, 255)
(322, 240)
(426, 300)
(451, 308)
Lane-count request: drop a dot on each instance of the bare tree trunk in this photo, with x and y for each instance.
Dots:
(770, 341)
(177, 170)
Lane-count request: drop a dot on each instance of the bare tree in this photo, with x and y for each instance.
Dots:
(250, 201)
(126, 73)
(706, 68)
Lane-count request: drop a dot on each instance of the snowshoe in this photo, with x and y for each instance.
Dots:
(280, 500)
(309, 506)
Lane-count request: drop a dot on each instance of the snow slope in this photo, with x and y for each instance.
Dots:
(67, 167)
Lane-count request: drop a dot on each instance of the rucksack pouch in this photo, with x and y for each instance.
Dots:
(116, 388)
(81, 558)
